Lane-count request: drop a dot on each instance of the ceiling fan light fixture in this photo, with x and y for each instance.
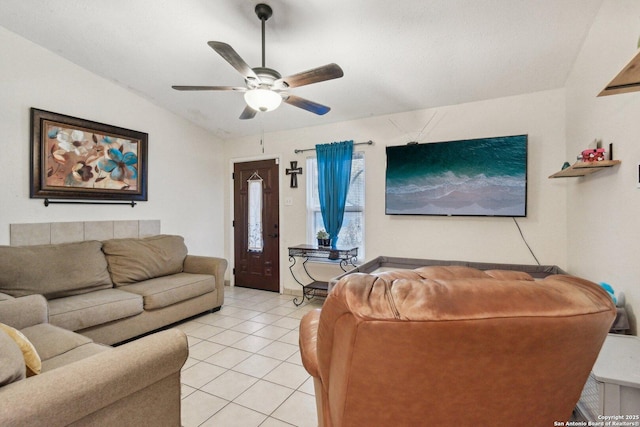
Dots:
(262, 99)
(265, 88)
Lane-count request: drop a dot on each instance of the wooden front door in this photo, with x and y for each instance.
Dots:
(257, 251)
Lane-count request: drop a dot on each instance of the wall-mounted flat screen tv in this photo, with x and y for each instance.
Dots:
(475, 177)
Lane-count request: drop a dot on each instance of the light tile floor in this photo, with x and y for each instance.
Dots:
(244, 367)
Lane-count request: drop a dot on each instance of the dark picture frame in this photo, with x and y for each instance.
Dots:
(74, 158)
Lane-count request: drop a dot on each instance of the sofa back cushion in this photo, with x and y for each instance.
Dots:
(133, 260)
(54, 271)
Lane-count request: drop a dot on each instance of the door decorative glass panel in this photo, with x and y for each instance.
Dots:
(255, 243)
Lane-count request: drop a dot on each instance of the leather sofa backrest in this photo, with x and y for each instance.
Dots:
(458, 346)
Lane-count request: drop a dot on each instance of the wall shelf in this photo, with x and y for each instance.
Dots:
(628, 80)
(584, 168)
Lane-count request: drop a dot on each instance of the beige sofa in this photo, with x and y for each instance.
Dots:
(83, 383)
(117, 289)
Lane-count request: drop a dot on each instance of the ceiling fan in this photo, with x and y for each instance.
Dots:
(264, 87)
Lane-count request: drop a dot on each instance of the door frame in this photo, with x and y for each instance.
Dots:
(231, 258)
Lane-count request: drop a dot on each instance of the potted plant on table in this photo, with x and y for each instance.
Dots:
(323, 238)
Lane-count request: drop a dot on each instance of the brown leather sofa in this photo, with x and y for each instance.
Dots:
(453, 346)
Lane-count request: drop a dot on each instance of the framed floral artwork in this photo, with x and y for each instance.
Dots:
(73, 158)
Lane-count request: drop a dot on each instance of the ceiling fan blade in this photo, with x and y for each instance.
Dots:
(248, 113)
(238, 89)
(232, 57)
(315, 75)
(305, 104)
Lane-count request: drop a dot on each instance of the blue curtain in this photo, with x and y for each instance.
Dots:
(334, 174)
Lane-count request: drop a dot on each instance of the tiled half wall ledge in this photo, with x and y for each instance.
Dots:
(63, 232)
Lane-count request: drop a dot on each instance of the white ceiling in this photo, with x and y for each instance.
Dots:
(397, 56)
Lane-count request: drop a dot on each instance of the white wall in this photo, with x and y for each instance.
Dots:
(540, 115)
(603, 209)
(185, 165)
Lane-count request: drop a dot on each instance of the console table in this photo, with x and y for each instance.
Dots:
(346, 256)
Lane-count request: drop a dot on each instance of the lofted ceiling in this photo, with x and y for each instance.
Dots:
(396, 55)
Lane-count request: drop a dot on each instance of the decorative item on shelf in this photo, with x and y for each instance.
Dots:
(323, 238)
(592, 155)
(589, 161)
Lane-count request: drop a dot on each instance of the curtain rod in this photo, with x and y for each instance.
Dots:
(369, 142)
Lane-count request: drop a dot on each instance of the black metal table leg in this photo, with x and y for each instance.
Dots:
(318, 288)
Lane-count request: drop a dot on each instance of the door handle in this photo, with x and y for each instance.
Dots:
(273, 235)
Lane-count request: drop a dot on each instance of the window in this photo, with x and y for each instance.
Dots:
(352, 231)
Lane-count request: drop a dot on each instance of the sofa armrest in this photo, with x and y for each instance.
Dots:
(25, 311)
(135, 384)
(309, 342)
(208, 265)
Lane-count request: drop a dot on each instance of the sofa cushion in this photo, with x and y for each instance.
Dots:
(59, 347)
(51, 341)
(81, 352)
(164, 291)
(133, 260)
(53, 270)
(96, 308)
(12, 367)
(5, 297)
(31, 358)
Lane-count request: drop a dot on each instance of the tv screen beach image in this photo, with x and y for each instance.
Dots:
(478, 177)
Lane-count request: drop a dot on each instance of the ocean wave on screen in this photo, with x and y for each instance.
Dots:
(448, 182)
(448, 193)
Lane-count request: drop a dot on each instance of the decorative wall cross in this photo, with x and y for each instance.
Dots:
(294, 171)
